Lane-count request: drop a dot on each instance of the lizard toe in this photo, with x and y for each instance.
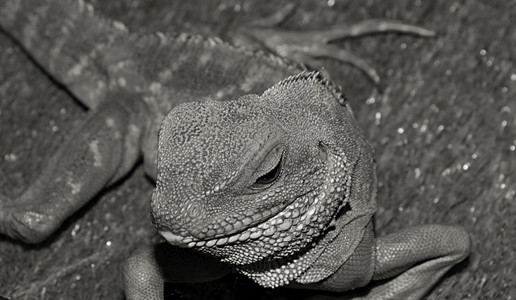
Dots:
(308, 47)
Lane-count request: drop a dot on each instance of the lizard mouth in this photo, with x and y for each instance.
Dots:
(264, 223)
(298, 216)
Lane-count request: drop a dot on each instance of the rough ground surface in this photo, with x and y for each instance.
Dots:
(444, 131)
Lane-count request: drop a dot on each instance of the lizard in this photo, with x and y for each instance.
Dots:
(129, 94)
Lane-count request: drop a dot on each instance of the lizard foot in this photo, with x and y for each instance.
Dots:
(28, 226)
(308, 46)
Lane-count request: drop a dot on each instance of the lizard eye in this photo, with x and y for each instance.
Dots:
(269, 177)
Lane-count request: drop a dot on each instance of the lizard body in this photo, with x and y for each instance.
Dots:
(280, 187)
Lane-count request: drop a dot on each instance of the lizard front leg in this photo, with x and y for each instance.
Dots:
(103, 149)
(405, 264)
(418, 256)
(148, 268)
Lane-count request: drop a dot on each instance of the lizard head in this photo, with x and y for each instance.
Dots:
(258, 178)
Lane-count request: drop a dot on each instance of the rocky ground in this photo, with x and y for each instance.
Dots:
(444, 130)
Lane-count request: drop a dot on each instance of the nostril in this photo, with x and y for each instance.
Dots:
(323, 151)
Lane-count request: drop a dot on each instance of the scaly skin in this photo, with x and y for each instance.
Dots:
(280, 187)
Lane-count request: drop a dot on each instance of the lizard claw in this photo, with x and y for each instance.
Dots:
(308, 46)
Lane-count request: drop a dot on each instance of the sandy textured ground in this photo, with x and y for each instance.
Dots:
(444, 130)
